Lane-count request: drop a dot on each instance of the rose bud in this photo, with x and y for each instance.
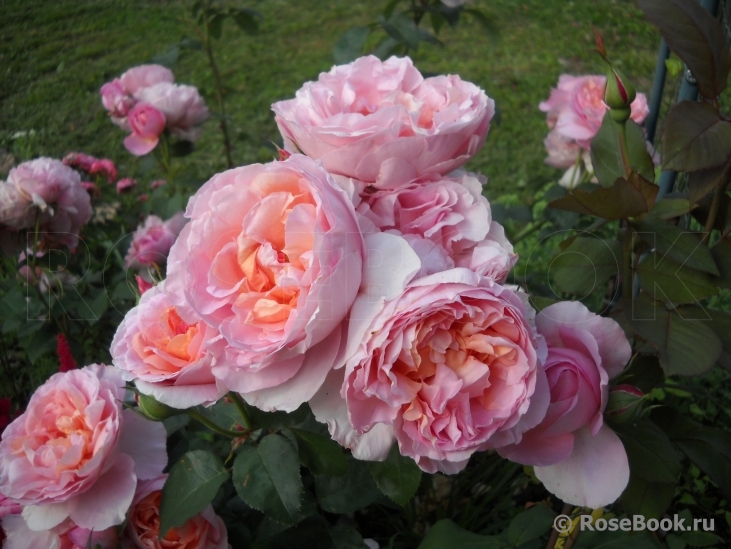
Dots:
(154, 410)
(624, 404)
(618, 95)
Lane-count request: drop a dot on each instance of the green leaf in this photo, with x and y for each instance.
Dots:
(686, 346)
(606, 157)
(215, 25)
(181, 148)
(246, 20)
(696, 37)
(530, 525)
(650, 499)
(723, 218)
(670, 208)
(586, 264)
(701, 539)
(402, 28)
(643, 372)
(346, 537)
(390, 6)
(446, 533)
(708, 448)
(703, 182)
(310, 533)
(268, 479)
(721, 325)
(398, 476)
(664, 279)
(695, 137)
(169, 58)
(41, 342)
(625, 198)
(386, 48)
(348, 493)
(320, 454)
(192, 484)
(721, 253)
(350, 44)
(683, 247)
(651, 455)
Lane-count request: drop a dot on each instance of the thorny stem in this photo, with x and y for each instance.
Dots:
(215, 427)
(623, 148)
(627, 263)
(555, 533)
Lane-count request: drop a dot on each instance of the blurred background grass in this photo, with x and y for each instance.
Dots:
(54, 57)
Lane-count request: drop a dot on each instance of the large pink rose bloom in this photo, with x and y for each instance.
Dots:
(205, 530)
(452, 363)
(152, 241)
(449, 212)
(584, 351)
(64, 536)
(272, 257)
(575, 108)
(182, 105)
(383, 123)
(168, 352)
(75, 454)
(47, 188)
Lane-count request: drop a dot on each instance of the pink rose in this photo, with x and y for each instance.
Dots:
(74, 453)
(126, 185)
(450, 212)
(8, 507)
(452, 363)
(152, 241)
(146, 123)
(47, 188)
(272, 257)
(584, 351)
(64, 536)
(80, 161)
(576, 108)
(183, 107)
(116, 101)
(203, 531)
(144, 76)
(383, 123)
(562, 151)
(104, 167)
(168, 352)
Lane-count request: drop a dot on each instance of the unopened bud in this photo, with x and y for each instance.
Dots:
(625, 404)
(619, 94)
(155, 410)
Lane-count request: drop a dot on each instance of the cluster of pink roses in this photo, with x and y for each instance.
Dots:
(366, 278)
(76, 465)
(47, 194)
(575, 110)
(146, 102)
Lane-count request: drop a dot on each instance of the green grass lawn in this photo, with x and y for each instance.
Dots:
(54, 56)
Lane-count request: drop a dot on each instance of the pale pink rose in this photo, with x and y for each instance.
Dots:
(450, 212)
(272, 257)
(64, 536)
(562, 151)
(74, 453)
(452, 363)
(168, 352)
(205, 530)
(116, 100)
(182, 105)
(383, 123)
(145, 76)
(47, 188)
(576, 107)
(584, 351)
(152, 241)
(8, 507)
(146, 123)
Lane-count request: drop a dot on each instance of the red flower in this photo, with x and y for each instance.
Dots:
(65, 357)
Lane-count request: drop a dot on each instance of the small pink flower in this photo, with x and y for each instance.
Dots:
(80, 161)
(147, 123)
(157, 183)
(168, 352)
(152, 241)
(126, 185)
(584, 351)
(87, 451)
(104, 167)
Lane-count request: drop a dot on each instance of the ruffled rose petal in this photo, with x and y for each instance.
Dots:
(151, 457)
(596, 473)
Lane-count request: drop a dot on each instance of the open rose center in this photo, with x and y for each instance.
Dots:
(170, 344)
(145, 520)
